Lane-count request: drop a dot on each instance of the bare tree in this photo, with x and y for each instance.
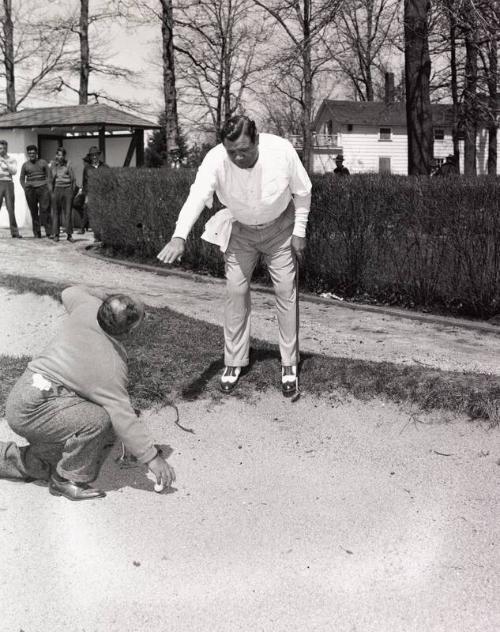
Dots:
(216, 42)
(489, 27)
(304, 23)
(367, 31)
(469, 25)
(90, 53)
(32, 51)
(417, 73)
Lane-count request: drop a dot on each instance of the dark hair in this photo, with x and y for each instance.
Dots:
(4, 142)
(238, 125)
(32, 148)
(62, 150)
(119, 313)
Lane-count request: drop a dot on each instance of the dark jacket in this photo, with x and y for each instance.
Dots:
(88, 167)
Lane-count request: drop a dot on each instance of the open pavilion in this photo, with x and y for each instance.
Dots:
(118, 134)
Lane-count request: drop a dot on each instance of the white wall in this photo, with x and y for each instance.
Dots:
(18, 139)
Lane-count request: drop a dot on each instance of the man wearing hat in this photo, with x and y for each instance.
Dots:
(449, 167)
(92, 161)
(340, 170)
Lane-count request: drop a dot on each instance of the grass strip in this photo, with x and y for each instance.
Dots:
(173, 357)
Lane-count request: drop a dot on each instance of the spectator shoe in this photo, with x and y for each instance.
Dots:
(289, 380)
(70, 239)
(73, 491)
(229, 378)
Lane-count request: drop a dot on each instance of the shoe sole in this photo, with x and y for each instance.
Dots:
(54, 492)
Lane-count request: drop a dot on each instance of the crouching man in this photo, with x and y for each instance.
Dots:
(73, 398)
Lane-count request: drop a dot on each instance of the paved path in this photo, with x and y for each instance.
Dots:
(327, 327)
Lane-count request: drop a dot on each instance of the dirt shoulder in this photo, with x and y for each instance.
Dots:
(327, 328)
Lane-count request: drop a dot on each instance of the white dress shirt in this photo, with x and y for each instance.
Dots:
(253, 196)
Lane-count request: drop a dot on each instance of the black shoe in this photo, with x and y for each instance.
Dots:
(70, 239)
(72, 490)
(38, 235)
(18, 236)
(289, 380)
(229, 378)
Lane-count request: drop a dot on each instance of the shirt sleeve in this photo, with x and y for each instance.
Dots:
(22, 176)
(200, 195)
(115, 400)
(71, 174)
(74, 296)
(300, 186)
(12, 166)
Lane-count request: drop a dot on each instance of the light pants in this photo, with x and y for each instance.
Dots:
(66, 433)
(246, 244)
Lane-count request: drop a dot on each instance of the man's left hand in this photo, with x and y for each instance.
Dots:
(298, 247)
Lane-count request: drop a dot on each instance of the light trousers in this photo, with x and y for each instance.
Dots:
(247, 243)
(66, 433)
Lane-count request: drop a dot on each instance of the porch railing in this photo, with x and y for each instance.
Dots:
(320, 141)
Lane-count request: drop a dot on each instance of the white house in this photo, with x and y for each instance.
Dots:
(372, 137)
(119, 135)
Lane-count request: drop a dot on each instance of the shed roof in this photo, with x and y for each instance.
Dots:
(81, 116)
(379, 113)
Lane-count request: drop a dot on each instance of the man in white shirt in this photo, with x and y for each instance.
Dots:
(255, 177)
(8, 168)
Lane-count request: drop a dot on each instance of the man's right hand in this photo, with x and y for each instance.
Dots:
(173, 251)
(165, 473)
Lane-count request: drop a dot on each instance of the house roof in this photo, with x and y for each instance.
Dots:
(377, 113)
(81, 116)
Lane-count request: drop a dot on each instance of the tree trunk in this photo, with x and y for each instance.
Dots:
(470, 89)
(492, 100)
(308, 88)
(8, 34)
(417, 73)
(83, 92)
(370, 93)
(169, 91)
(454, 80)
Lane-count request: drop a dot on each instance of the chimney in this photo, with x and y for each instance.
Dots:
(389, 88)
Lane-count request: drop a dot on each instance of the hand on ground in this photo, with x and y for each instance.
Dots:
(165, 473)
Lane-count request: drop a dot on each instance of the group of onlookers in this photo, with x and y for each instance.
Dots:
(51, 191)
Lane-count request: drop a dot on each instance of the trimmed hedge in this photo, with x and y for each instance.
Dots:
(418, 242)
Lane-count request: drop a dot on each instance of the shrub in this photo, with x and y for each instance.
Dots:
(414, 241)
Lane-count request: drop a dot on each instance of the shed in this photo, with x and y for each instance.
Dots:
(118, 134)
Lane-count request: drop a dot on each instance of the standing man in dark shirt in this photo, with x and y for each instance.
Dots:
(35, 180)
(449, 167)
(63, 185)
(92, 161)
(340, 170)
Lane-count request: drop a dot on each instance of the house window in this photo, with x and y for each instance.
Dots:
(438, 133)
(349, 127)
(385, 133)
(384, 164)
(329, 128)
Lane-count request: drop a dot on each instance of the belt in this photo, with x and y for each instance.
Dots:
(266, 224)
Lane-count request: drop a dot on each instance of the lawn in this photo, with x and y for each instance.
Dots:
(174, 357)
